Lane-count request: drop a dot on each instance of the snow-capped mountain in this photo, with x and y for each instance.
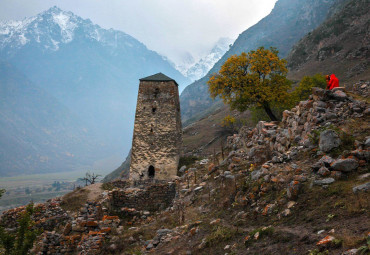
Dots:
(195, 71)
(93, 72)
(53, 28)
(186, 62)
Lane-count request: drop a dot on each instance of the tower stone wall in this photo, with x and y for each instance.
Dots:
(157, 135)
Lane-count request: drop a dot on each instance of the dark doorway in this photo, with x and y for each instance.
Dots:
(151, 172)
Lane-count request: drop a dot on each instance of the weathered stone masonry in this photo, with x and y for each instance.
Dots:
(157, 136)
(144, 195)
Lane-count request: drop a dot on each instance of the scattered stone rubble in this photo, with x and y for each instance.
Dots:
(268, 156)
(84, 232)
(272, 149)
(362, 88)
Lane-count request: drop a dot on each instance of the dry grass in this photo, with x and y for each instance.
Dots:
(359, 97)
(349, 240)
(73, 201)
(359, 128)
(210, 129)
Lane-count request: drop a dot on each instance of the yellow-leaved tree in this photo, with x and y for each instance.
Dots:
(257, 78)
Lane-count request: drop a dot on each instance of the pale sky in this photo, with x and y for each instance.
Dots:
(170, 27)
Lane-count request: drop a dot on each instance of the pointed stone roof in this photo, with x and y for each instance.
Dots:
(158, 77)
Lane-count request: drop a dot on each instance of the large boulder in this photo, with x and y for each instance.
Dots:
(363, 187)
(325, 181)
(345, 165)
(339, 95)
(326, 161)
(293, 189)
(367, 143)
(329, 140)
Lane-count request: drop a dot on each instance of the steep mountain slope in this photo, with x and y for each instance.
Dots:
(341, 45)
(289, 21)
(37, 133)
(92, 71)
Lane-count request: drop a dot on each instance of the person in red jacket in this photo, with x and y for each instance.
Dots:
(332, 82)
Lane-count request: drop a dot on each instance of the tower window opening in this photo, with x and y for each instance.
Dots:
(151, 171)
(156, 92)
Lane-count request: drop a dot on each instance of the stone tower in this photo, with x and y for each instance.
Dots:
(157, 139)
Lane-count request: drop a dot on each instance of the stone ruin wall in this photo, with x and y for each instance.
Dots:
(157, 131)
(144, 195)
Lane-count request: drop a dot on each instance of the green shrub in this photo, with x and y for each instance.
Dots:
(220, 234)
(22, 241)
(366, 248)
(304, 88)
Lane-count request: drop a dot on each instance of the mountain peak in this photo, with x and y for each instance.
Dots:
(54, 9)
(49, 28)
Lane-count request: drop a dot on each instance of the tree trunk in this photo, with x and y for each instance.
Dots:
(269, 112)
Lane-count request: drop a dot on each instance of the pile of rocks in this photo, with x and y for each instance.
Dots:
(362, 88)
(55, 243)
(272, 149)
(84, 233)
(324, 108)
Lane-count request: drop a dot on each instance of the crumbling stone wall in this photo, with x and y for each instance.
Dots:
(157, 131)
(46, 216)
(144, 195)
(84, 233)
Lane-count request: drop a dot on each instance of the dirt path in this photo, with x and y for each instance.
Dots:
(94, 191)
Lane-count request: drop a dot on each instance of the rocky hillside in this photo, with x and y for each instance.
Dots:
(93, 72)
(340, 45)
(300, 186)
(288, 22)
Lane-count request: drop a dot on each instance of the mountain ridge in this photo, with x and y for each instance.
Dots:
(288, 22)
(340, 45)
(91, 71)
